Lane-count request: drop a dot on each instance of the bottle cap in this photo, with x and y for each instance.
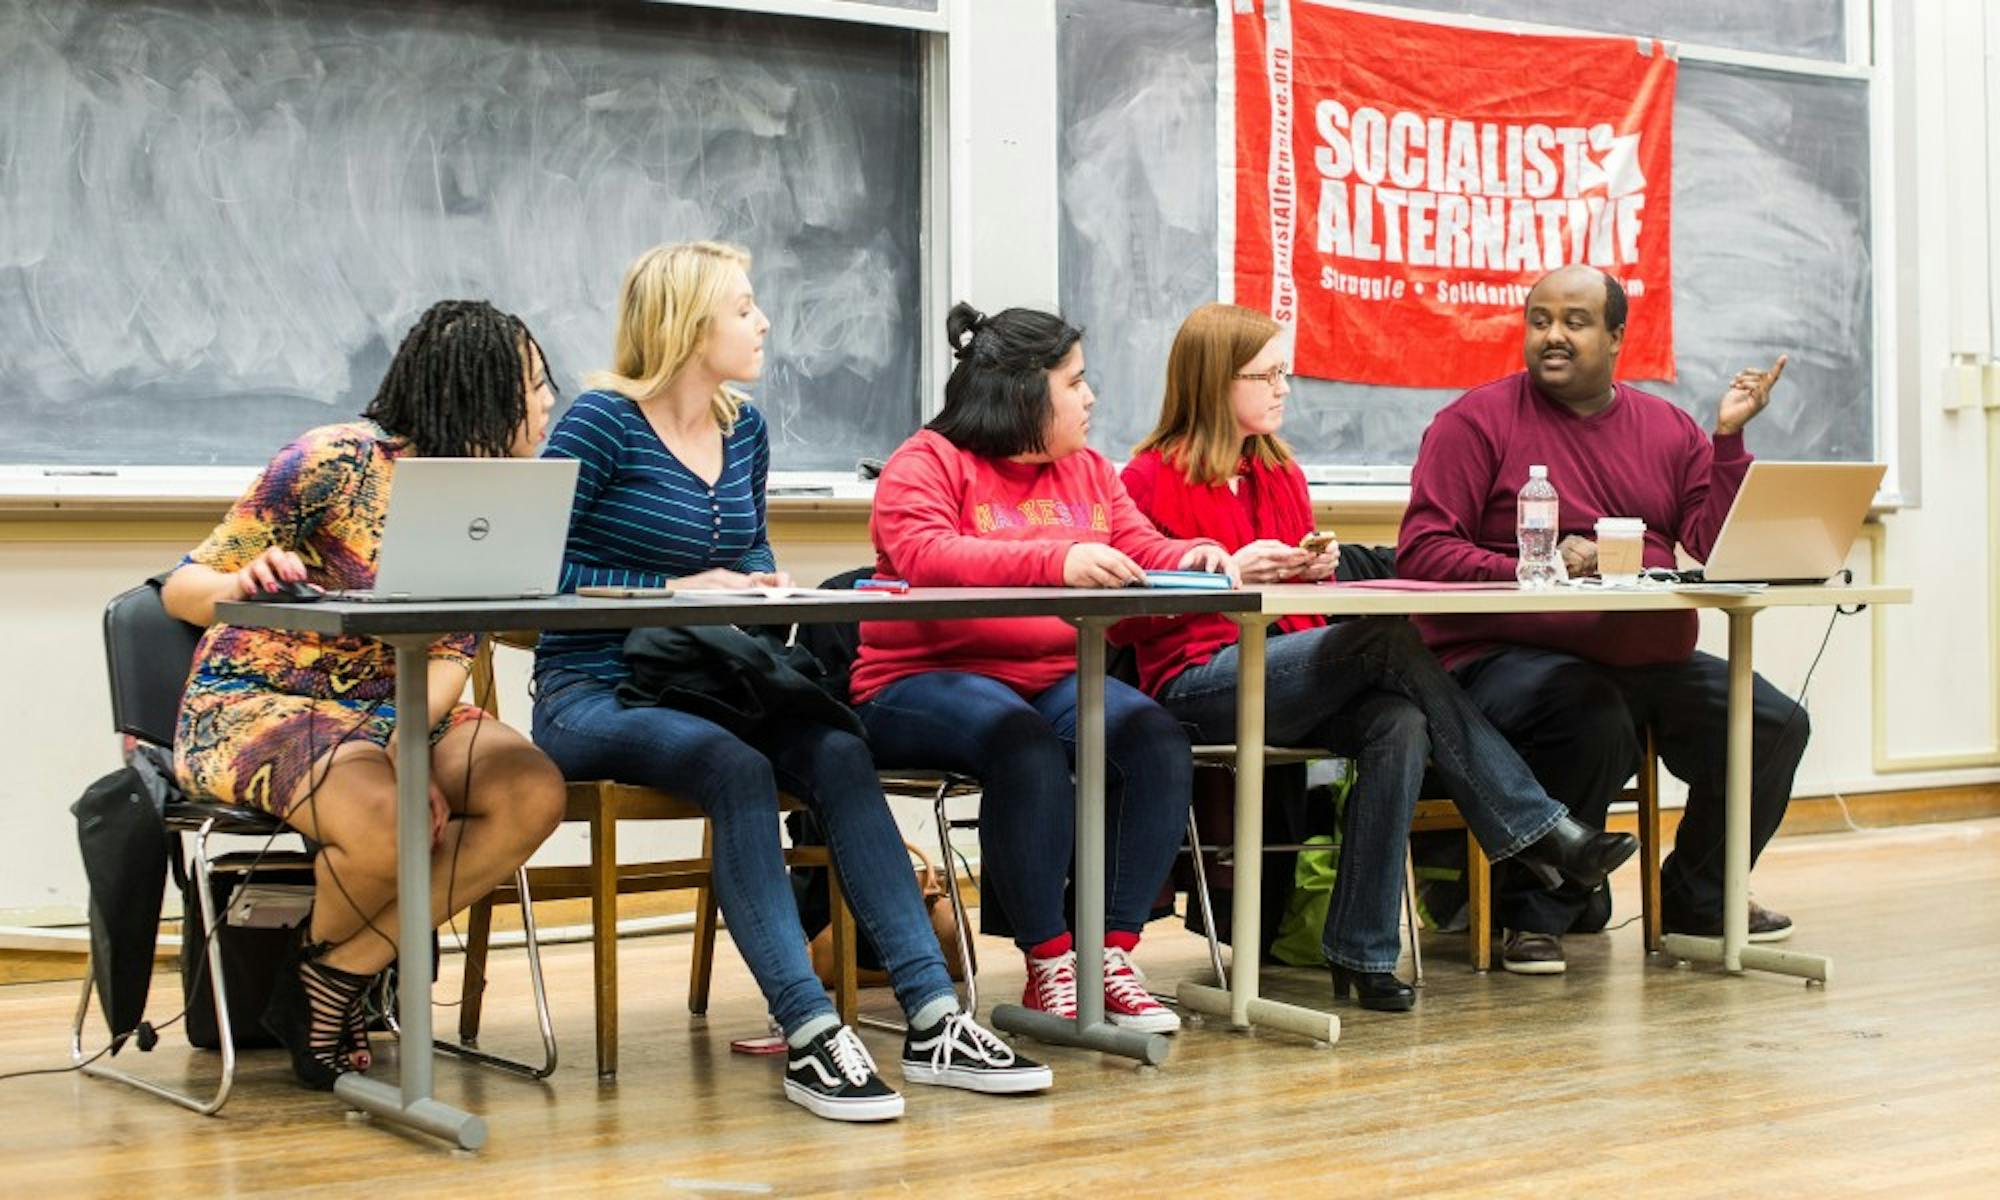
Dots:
(1538, 472)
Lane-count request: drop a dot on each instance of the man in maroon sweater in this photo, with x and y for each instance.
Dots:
(1575, 691)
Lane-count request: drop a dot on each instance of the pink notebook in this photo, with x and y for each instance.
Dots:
(1425, 585)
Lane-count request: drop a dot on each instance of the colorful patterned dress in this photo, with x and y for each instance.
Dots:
(261, 705)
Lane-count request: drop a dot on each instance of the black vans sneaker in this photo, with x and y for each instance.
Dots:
(834, 1077)
(958, 1052)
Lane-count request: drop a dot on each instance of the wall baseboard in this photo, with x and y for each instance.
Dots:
(1863, 810)
(60, 954)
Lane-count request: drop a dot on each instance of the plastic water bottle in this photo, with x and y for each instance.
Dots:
(1536, 530)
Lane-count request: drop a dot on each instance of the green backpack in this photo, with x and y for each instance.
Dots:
(1298, 940)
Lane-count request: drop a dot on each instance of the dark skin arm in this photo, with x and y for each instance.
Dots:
(1579, 555)
(1749, 393)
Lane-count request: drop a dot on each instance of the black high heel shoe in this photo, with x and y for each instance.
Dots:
(1379, 990)
(1575, 853)
(310, 1011)
(354, 1043)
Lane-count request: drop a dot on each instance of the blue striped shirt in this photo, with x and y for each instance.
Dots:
(642, 518)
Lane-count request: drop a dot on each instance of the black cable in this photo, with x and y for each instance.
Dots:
(76, 1066)
(147, 1033)
(306, 802)
(451, 874)
(1799, 701)
(386, 1004)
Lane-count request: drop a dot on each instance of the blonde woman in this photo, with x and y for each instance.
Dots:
(1215, 467)
(671, 493)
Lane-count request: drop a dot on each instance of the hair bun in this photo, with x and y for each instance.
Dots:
(962, 326)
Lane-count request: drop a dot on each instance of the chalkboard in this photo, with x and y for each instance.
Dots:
(218, 217)
(1771, 239)
(1800, 28)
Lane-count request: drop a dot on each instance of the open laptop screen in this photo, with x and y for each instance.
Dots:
(1793, 522)
(474, 529)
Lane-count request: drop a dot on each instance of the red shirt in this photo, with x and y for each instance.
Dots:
(1639, 457)
(946, 518)
(1268, 503)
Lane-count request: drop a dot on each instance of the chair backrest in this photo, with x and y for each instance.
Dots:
(836, 645)
(148, 653)
(1365, 562)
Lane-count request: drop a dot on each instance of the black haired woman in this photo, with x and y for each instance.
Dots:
(304, 726)
(1001, 490)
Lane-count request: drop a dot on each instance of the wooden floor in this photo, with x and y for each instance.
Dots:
(1623, 1077)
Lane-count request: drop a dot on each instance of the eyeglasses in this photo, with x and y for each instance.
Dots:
(1275, 376)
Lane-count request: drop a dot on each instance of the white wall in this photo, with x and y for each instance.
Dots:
(1940, 679)
(1004, 204)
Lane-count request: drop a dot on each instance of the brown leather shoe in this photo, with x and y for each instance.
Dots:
(1765, 925)
(1525, 952)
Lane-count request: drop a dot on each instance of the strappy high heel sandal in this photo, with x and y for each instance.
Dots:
(354, 1043)
(311, 1012)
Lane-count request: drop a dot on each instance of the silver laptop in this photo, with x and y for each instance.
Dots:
(1793, 522)
(473, 529)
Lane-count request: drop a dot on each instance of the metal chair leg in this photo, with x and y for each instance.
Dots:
(534, 947)
(959, 919)
(1410, 914)
(217, 992)
(1207, 909)
(969, 1002)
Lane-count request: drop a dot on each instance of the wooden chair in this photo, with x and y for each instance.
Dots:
(1436, 814)
(1222, 756)
(603, 804)
(1443, 814)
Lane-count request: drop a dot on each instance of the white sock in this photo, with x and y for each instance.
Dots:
(800, 1038)
(933, 1010)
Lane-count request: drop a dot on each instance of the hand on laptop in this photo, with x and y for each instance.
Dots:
(1579, 555)
(1748, 393)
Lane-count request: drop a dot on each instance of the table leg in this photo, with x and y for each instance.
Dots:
(1090, 1029)
(411, 1104)
(1733, 949)
(1240, 1003)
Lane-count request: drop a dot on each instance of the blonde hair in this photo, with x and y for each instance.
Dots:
(1197, 429)
(665, 307)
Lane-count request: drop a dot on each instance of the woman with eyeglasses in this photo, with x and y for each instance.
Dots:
(1214, 467)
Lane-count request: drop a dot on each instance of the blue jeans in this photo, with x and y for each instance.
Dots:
(582, 727)
(1579, 725)
(1021, 751)
(1369, 690)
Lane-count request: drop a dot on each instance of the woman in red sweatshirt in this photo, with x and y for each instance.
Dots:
(1215, 467)
(1002, 491)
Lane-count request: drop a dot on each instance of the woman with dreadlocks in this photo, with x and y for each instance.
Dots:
(304, 726)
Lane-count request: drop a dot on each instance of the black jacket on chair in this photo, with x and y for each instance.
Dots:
(125, 844)
(741, 681)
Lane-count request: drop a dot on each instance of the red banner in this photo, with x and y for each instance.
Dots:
(1394, 187)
